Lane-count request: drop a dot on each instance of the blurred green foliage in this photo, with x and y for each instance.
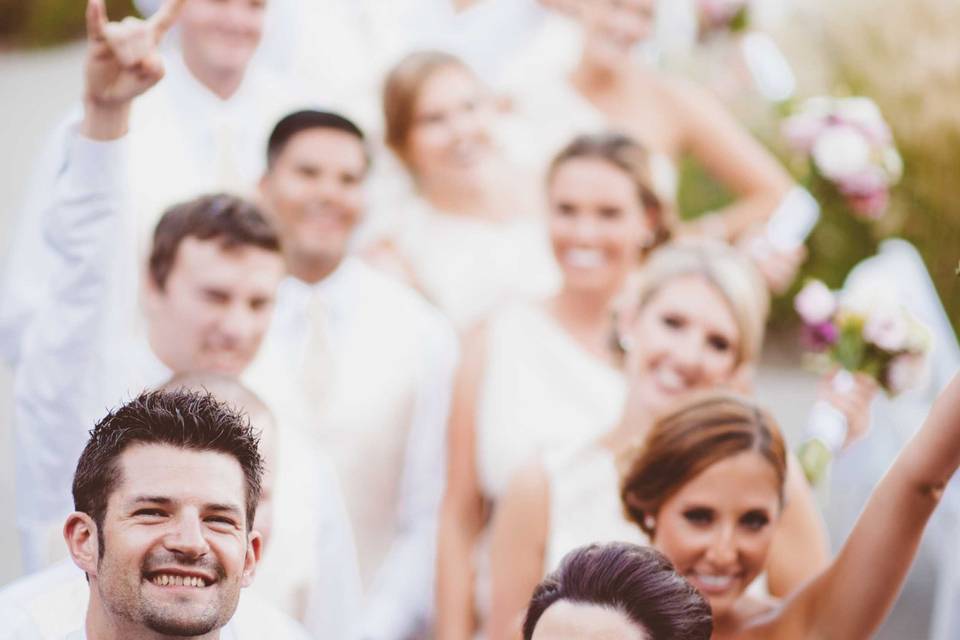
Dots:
(38, 23)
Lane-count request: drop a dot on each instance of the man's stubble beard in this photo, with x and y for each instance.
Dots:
(128, 602)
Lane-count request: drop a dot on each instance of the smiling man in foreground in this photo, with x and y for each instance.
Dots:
(165, 494)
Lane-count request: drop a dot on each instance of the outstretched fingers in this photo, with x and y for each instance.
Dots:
(165, 17)
(96, 20)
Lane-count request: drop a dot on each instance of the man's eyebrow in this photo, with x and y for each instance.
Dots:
(224, 508)
(152, 500)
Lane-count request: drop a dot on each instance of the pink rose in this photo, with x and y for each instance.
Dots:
(903, 372)
(801, 131)
(815, 303)
(888, 329)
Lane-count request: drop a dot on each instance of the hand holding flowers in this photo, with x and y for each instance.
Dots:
(873, 342)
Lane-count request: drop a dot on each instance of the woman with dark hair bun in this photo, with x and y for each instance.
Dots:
(617, 590)
(707, 487)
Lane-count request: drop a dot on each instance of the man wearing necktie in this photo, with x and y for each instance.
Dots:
(371, 362)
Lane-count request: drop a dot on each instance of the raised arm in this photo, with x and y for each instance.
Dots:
(462, 510)
(518, 550)
(732, 156)
(853, 597)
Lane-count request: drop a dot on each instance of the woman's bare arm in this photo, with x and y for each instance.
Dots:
(853, 597)
(518, 550)
(731, 155)
(462, 510)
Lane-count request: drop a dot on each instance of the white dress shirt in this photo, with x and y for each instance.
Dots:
(184, 141)
(387, 367)
(79, 354)
(85, 353)
(52, 605)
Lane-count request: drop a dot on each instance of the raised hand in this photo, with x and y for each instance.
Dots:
(123, 59)
(852, 397)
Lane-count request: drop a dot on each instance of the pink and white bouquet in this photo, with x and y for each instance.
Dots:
(862, 332)
(718, 17)
(859, 332)
(849, 144)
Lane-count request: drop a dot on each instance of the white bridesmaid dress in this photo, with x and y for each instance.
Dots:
(540, 391)
(468, 266)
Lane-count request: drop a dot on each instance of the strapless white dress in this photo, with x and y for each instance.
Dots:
(540, 391)
(548, 112)
(585, 507)
(468, 267)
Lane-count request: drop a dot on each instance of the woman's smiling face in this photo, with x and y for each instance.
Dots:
(684, 338)
(718, 527)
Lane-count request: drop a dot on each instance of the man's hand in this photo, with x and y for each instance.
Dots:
(123, 62)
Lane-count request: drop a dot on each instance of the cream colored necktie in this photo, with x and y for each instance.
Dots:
(226, 148)
(319, 363)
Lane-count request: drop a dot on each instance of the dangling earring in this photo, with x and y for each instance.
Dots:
(649, 522)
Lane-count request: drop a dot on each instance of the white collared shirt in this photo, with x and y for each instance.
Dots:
(80, 355)
(382, 421)
(84, 354)
(181, 138)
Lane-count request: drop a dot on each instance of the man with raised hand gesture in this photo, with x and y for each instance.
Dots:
(196, 111)
(123, 62)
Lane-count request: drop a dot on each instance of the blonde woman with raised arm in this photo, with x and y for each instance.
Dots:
(604, 84)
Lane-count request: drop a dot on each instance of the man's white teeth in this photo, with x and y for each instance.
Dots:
(584, 258)
(166, 580)
(670, 379)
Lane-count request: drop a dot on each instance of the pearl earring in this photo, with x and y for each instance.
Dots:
(649, 523)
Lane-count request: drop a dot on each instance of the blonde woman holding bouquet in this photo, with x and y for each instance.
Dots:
(697, 325)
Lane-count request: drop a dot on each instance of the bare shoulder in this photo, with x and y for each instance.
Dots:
(684, 95)
(529, 486)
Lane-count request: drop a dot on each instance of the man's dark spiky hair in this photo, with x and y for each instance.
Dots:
(181, 418)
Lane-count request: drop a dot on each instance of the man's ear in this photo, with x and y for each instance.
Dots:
(254, 549)
(80, 534)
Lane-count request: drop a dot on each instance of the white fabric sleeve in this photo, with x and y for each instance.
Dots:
(400, 602)
(29, 264)
(54, 383)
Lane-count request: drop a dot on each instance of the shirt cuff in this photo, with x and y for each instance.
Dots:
(95, 164)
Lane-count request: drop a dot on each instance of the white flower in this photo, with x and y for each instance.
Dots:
(888, 330)
(815, 303)
(841, 151)
(863, 114)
